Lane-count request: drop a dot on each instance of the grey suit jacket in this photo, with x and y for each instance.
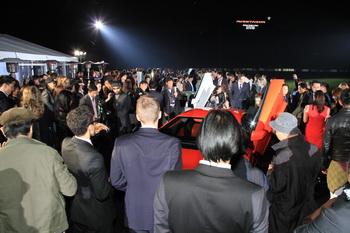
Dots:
(209, 199)
(48, 99)
(93, 204)
(332, 219)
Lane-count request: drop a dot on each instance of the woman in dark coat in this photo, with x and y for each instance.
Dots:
(62, 106)
(43, 128)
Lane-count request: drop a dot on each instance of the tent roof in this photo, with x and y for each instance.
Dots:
(12, 47)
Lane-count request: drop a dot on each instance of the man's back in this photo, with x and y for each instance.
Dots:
(43, 176)
(209, 199)
(296, 168)
(159, 97)
(92, 204)
(336, 136)
(138, 161)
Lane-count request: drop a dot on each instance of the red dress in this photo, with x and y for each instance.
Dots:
(314, 128)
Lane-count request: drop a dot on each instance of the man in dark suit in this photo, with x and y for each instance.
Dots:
(7, 86)
(92, 208)
(119, 104)
(239, 93)
(159, 96)
(206, 199)
(138, 161)
(91, 99)
(141, 90)
(189, 84)
(171, 100)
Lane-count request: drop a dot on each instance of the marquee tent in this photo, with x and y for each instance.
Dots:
(15, 48)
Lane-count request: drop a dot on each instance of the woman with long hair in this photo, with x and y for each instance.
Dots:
(43, 128)
(62, 107)
(336, 106)
(315, 116)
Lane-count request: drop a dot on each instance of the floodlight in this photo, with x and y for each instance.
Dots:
(98, 24)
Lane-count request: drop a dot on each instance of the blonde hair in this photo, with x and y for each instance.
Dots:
(32, 99)
(147, 109)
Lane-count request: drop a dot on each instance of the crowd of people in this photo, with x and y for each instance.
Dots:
(69, 144)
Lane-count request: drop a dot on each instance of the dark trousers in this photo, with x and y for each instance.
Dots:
(80, 228)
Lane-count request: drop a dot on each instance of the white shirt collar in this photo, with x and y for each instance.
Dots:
(84, 139)
(210, 163)
(4, 93)
(148, 127)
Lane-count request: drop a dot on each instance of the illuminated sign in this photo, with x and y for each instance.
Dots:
(251, 24)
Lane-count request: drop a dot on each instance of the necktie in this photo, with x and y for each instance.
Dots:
(94, 107)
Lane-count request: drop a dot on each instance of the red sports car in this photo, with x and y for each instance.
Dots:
(185, 126)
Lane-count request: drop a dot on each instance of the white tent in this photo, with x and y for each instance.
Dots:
(12, 47)
(29, 55)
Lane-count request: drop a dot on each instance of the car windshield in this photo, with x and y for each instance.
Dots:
(250, 119)
(184, 128)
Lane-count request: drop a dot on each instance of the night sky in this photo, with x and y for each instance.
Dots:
(182, 34)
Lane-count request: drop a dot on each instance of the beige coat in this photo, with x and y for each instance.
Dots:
(32, 180)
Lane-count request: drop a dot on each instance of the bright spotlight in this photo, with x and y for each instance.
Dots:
(98, 24)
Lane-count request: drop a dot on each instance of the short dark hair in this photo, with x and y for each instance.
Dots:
(7, 80)
(345, 97)
(324, 84)
(152, 84)
(219, 136)
(315, 81)
(79, 119)
(92, 87)
(168, 79)
(303, 85)
(22, 128)
(240, 76)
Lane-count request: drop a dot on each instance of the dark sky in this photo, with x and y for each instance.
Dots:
(182, 34)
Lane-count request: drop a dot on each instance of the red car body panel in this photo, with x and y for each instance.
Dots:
(273, 104)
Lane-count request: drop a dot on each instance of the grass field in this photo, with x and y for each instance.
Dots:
(333, 82)
(333, 79)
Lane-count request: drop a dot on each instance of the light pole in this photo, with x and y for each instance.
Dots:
(80, 54)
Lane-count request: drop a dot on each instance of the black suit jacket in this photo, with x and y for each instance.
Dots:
(209, 199)
(5, 103)
(92, 205)
(171, 109)
(86, 100)
(159, 96)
